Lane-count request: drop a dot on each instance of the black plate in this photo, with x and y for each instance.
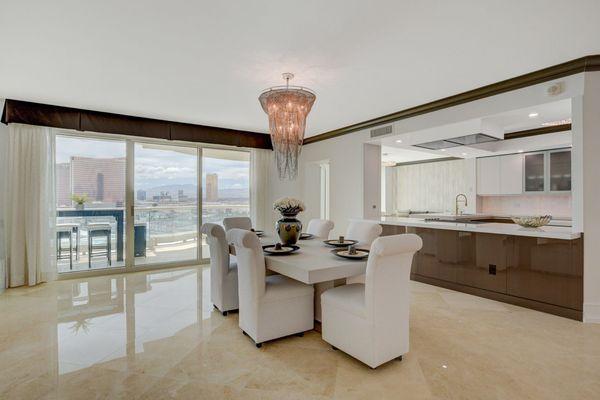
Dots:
(336, 242)
(287, 249)
(259, 233)
(362, 254)
(306, 236)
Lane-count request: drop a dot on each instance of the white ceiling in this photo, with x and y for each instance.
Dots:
(206, 61)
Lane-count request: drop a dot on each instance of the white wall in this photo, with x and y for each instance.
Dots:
(587, 125)
(3, 147)
(345, 156)
(371, 181)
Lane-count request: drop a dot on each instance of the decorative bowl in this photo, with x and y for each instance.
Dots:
(534, 221)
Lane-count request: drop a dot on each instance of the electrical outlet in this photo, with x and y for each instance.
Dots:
(492, 269)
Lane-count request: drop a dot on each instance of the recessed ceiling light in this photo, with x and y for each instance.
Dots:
(533, 115)
(464, 154)
(520, 151)
(442, 149)
(399, 141)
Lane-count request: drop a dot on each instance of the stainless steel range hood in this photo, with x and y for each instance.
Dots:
(466, 140)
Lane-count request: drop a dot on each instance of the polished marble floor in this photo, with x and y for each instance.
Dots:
(155, 335)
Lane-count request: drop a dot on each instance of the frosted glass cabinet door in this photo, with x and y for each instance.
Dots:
(534, 172)
(560, 170)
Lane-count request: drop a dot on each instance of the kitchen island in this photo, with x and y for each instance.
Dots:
(538, 268)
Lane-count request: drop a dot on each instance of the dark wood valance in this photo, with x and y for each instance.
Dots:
(24, 112)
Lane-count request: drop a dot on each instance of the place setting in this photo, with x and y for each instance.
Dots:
(346, 248)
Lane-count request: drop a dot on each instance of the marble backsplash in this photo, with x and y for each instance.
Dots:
(557, 205)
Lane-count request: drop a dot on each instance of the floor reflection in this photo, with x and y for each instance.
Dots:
(105, 319)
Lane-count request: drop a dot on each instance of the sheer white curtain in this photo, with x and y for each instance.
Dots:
(29, 205)
(260, 162)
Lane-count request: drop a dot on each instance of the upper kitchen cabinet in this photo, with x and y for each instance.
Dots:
(513, 174)
(560, 170)
(548, 171)
(488, 175)
(501, 175)
(535, 172)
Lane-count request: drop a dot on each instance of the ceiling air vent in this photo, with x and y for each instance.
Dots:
(382, 131)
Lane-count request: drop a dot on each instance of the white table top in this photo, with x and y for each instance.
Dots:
(313, 262)
(551, 232)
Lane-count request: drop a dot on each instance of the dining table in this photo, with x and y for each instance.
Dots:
(314, 264)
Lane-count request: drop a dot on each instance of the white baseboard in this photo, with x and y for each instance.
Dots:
(591, 313)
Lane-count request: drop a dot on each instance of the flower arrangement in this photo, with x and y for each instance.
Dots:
(79, 199)
(288, 206)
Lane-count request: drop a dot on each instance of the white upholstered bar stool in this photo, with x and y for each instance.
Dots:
(370, 322)
(237, 222)
(365, 232)
(270, 307)
(223, 271)
(320, 228)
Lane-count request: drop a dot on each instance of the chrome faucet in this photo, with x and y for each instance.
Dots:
(456, 202)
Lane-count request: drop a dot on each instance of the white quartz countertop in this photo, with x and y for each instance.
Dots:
(551, 232)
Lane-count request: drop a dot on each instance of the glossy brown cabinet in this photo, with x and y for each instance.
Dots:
(544, 274)
(485, 260)
(547, 270)
(439, 256)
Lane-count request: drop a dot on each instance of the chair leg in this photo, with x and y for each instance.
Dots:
(224, 313)
(71, 250)
(108, 249)
(90, 250)
(258, 345)
(399, 358)
(334, 348)
(300, 334)
(77, 237)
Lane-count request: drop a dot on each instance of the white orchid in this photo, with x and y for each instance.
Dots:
(288, 205)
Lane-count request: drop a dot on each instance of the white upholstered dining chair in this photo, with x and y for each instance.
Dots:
(237, 222)
(320, 228)
(365, 232)
(273, 306)
(370, 322)
(223, 271)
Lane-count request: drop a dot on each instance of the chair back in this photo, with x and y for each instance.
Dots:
(363, 231)
(237, 223)
(387, 279)
(251, 273)
(219, 254)
(320, 227)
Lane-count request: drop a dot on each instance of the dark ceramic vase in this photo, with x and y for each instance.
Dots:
(288, 228)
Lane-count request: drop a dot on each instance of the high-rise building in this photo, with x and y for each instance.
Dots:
(100, 179)
(141, 195)
(212, 187)
(63, 185)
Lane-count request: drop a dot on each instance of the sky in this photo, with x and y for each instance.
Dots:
(157, 165)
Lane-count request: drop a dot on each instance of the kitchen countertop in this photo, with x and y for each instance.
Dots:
(551, 232)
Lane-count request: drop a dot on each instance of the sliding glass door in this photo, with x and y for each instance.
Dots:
(166, 204)
(90, 203)
(125, 203)
(226, 186)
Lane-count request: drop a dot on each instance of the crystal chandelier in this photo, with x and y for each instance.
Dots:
(287, 107)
